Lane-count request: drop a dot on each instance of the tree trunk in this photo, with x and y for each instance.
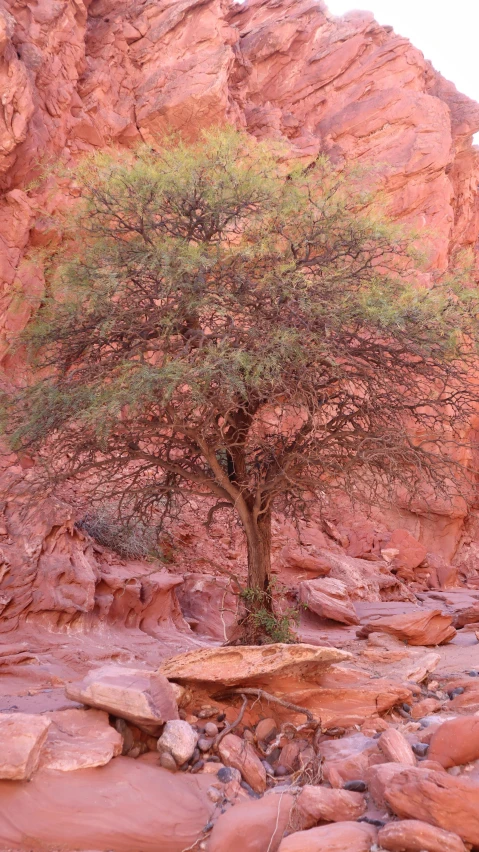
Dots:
(252, 628)
(258, 537)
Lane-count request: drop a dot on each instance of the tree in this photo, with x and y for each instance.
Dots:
(219, 324)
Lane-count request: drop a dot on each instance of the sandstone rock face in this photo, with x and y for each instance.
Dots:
(230, 666)
(79, 739)
(412, 835)
(428, 627)
(240, 755)
(437, 798)
(455, 742)
(145, 698)
(52, 575)
(331, 838)
(328, 598)
(21, 738)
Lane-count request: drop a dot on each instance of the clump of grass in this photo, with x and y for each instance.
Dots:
(131, 539)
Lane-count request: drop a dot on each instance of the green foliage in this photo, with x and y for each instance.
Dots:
(260, 619)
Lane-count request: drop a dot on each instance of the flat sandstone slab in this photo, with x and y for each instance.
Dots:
(238, 665)
(144, 698)
(79, 739)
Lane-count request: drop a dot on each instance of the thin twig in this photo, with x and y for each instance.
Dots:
(234, 724)
(273, 836)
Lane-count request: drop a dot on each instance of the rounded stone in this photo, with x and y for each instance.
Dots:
(167, 761)
(178, 739)
(211, 730)
(227, 774)
(280, 771)
(356, 786)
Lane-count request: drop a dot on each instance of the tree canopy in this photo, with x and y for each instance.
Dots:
(219, 322)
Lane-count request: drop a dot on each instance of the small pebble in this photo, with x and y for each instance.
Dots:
(227, 774)
(248, 736)
(420, 749)
(213, 758)
(221, 717)
(167, 761)
(454, 770)
(249, 790)
(473, 673)
(377, 822)
(211, 730)
(197, 766)
(403, 713)
(273, 757)
(406, 708)
(281, 770)
(195, 756)
(134, 752)
(213, 794)
(205, 743)
(268, 767)
(457, 691)
(356, 786)
(335, 732)
(207, 712)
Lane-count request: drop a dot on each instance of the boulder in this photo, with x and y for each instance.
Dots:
(409, 552)
(124, 806)
(424, 627)
(300, 559)
(78, 739)
(22, 736)
(246, 664)
(425, 707)
(349, 757)
(144, 698)
(455, 742)
(319, 804)
(266, 730)
(253, 826)
(379, 778)
(342, 836)
(396, 748)
(178, 739)
(412, 835)
(365, 581)
(241, 755)
(328, 598)
(447, 802)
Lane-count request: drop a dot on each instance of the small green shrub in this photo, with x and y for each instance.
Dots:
(261, 619)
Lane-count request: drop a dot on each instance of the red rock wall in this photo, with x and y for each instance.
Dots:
(76, 76)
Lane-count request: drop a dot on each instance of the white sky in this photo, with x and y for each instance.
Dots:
(446, 32)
